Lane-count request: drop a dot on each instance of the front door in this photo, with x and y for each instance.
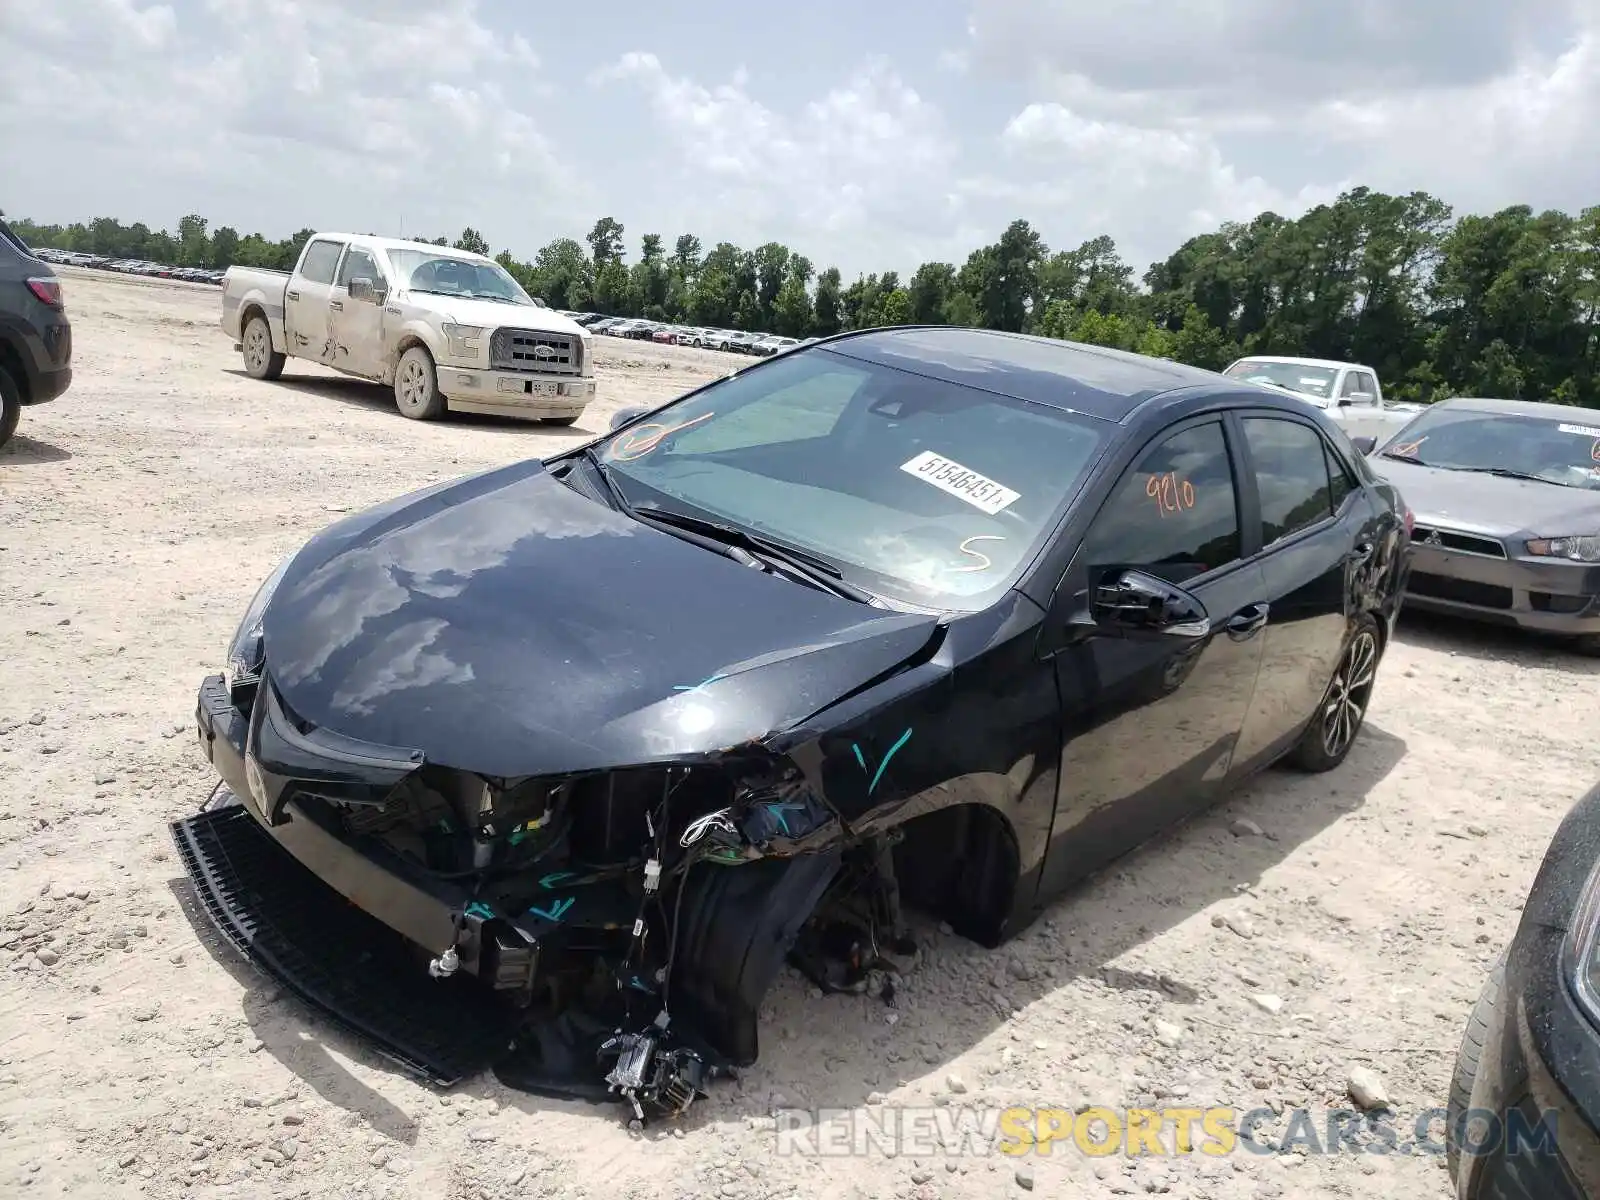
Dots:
(1149, 726)
(357, 323)
(1315, 536)
(306, 316)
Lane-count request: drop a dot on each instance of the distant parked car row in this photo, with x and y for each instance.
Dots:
(733, 340)
(128, 266)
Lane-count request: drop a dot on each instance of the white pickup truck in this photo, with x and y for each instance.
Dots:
(444, 328)
(1348, 392)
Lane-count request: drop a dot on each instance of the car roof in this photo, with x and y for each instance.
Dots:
(1531, 408)
(1302, 362)
(1071, 376)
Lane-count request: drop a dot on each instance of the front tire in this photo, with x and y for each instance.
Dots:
(1339, 717)
(416, 386)
(10, 406)
(1484, 1013)
(261, 361)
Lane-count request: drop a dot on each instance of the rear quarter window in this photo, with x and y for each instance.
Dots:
(320, 261)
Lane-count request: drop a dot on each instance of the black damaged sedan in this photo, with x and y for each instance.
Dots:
(1524, 1114)
(551, 768)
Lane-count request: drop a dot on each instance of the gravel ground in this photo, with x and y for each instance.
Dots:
(1310, 927)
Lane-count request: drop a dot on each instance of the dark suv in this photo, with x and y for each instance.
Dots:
(35, 337)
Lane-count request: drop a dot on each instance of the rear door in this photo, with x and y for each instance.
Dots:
(1316, 531)
(307, 324)
(1149, 726)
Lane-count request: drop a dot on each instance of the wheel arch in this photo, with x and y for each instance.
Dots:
(960, 856)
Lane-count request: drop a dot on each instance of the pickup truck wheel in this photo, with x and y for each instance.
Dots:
(416, 386)
(10, 406)
(261, 361)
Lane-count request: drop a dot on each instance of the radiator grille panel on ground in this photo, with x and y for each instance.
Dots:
(333, 955)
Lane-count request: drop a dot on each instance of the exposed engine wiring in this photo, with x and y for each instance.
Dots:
(698, 827)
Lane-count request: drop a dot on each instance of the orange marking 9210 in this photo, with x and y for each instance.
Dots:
(1171, 494)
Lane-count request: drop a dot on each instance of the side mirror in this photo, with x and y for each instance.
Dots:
(1137, 604)
(1364, 445)
(362, 288)
(623, 415)
(1363, 398)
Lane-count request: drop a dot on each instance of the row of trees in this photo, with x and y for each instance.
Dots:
(1505, 305)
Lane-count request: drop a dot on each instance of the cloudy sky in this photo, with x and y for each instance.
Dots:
(867, 135)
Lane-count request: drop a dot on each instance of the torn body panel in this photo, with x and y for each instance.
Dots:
(594, 901)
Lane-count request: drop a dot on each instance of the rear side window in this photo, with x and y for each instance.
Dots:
(1174, 514)
(1338, 478)
(10, 241)
(320, 261)
(1291, 465)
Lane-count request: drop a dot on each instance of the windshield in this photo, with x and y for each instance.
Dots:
(444, 275)
(924, 491)
(1316, 382)
(1549, 448)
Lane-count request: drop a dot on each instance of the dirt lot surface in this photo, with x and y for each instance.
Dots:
(1218, 966)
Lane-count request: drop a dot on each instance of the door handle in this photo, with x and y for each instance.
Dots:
(1247, 622)
(293, 295)
(336, 305)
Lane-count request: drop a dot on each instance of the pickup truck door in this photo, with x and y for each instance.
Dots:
(306, 324)
(357, 322)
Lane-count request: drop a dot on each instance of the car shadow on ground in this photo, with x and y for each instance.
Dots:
(24, 451)
(374, 397)
(1520, 647)
(1179, 873)
(299, 1036)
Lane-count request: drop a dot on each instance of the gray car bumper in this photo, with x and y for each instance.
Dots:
(1529, 593)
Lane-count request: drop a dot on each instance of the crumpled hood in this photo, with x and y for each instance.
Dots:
(491, 314)
(507, 625)
(1491, 504)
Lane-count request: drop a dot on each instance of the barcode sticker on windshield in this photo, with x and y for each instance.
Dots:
(1581, 430)
(950, 476)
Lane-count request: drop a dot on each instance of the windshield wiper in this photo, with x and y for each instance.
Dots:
(1410, 458)
(622, 505)
(1507, 473)
(806, 565)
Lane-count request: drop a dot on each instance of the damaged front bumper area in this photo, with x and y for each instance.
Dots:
(605, 935)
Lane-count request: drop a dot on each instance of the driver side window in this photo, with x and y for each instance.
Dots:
(1174, 514)
(357, 264)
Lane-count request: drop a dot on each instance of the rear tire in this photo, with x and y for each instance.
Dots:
(1484, 1014)
(261, 361)
(416, 386)
(1343, 708)
(10, 406)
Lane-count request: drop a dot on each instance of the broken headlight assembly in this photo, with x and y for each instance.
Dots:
(242, 667)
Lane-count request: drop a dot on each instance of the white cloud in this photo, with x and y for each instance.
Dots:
(1153, 122)
(274, 114)
(1144, 120)
(869, 156)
